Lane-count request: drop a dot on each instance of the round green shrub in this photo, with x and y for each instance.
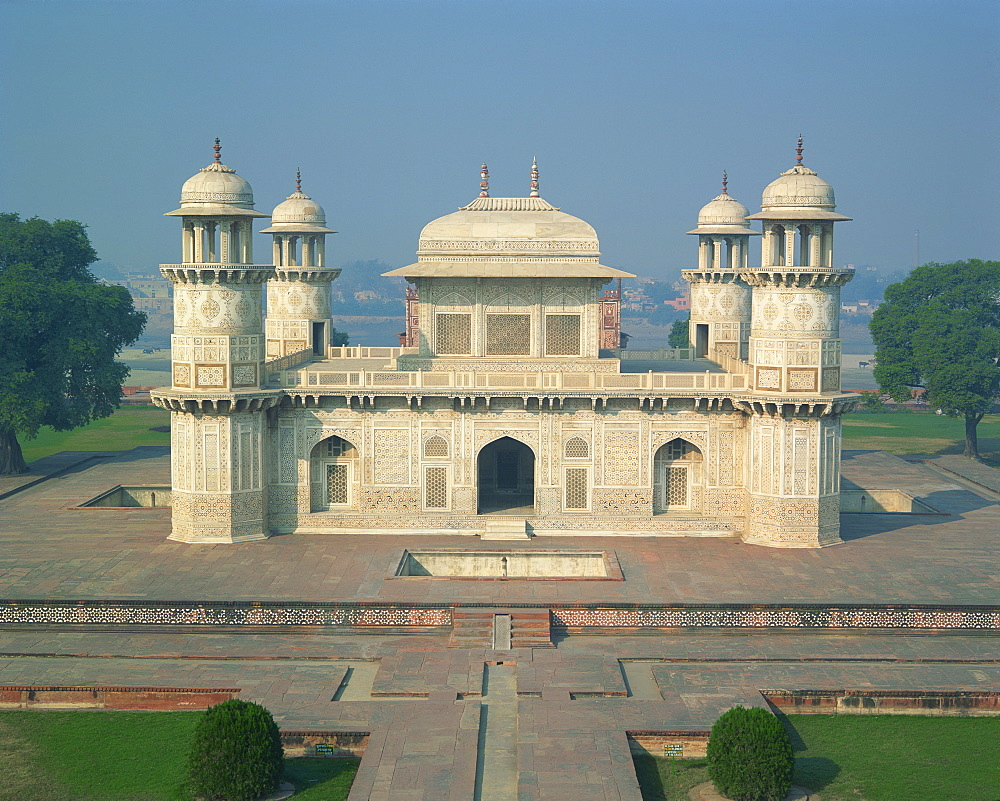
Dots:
(750, 756)
(236, 754)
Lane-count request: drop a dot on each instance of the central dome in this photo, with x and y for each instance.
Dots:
(499, 225)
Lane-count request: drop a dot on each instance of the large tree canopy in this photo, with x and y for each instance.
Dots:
(939, 329)
(59, 333)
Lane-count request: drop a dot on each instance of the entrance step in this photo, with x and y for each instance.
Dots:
(480, 628)
(506, 529)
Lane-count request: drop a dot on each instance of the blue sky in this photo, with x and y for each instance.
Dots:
(632, 108)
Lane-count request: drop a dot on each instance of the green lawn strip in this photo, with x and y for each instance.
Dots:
(98, 754)
(663, 779)
(897, 757)
(321, 779)
(919, 432)
(866, 758)
(50, 755)
(127, 428)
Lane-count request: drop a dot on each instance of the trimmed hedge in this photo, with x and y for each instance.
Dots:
(237, 753)
(750, 756)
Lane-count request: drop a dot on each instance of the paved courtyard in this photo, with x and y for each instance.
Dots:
(469, 722)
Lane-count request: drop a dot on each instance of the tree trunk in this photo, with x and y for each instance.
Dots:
(11, 459)
(972, 436)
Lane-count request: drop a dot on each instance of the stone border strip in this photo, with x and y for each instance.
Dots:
(566, 619)
(28, 696)
(885, 702)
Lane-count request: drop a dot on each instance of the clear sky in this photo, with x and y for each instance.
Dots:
(633, 110)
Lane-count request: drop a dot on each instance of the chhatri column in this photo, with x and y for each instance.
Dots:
(795, 404)
(218, 423)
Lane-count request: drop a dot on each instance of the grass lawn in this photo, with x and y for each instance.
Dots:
(919, 432)
(126, 756)
(867, 758)
(126, 428)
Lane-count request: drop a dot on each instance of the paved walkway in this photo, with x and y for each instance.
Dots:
(553, 722)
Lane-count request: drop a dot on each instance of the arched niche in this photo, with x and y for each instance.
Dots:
(333, 475)
(678, 477)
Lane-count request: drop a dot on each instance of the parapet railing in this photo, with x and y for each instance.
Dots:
(729, 363)
(654, 354)
(288, 361)
(362, 352)
(527, 380)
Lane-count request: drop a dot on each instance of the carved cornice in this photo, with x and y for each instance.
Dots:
(711, 276)
(305, 274)
(796, 407)
(180, 400)
(796, 277)
(217, 273)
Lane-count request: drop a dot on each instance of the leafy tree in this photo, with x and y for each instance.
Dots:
(59, 333)
(750, 756)
(679, 334)
(939, 329)
(339, 338)
(236, 754)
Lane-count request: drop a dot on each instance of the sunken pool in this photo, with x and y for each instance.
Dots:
(483, 564)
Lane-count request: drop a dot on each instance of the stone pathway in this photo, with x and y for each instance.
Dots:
(553, 721)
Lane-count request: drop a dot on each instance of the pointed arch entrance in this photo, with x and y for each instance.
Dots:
(505, 473)
(677, 477)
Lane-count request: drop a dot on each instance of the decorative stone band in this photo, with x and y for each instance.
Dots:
(797, 277)
(711, 276)
(208, 401)
(308, 274)
(218, 613)
(897, 618)
(217, 273)
(881, 617)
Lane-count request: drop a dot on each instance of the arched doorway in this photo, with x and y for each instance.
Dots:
(677, 477)
(506, 478)
(333, 473)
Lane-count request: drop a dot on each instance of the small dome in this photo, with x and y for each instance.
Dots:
(799, 187)
(723, 210)
(298, 208)
(217, 184)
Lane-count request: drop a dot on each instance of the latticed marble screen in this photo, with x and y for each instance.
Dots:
(337, 476)
(436, 488)
(577, 487)
(562, 334)
(675, 487)
(508, 334)
(454, 334)
(577, 448)
(436, 446)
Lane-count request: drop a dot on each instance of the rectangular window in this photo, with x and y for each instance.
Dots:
(508, 334)
(454, 334)
(562, 334)
(337, 484)
(436, 488)
(577, 489)
(675, 488)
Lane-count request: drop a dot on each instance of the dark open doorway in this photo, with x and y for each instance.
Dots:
(506, 478)
(319, 338)
(700, 340)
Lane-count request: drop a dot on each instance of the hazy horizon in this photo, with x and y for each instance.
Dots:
(633, 110)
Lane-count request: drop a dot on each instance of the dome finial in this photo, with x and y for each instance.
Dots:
(298, 180)
(725, 183)
(798, 153)
(218, 151)
(534, 177)
(484, 182)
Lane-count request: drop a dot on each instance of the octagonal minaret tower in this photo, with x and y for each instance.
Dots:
(298, 297)
(720, 298)
(217, 403)
(795, 331)
(794, 410)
